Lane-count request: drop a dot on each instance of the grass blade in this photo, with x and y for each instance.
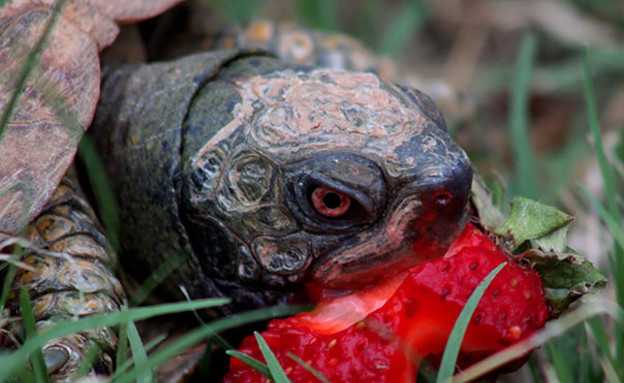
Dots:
(594, 127)
(216, 337)
(122, 346)
(406, 22)
(6, 189)
(13, 361)
(609, 370)
(138, 351)
(238, 11)
(155, 278)
(277, 372)
(202, 371)
(251, 362)
(611, 194)
(321, 14)
(451, 351)
(196, 336)
(90, 357)
(308, 367)
(552, 330)
(612, 224)
(29, 66)
(101, 189)
(523, 154)
(126, 363)
(6, 286)
(533, 369)
(602, 340)
(28, 320)
(559, 363)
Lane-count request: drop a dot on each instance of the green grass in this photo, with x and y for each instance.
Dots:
(105, 199)
(519, 116)
(28, 320)
(451, 351)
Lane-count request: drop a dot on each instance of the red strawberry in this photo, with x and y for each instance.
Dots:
(396, 324)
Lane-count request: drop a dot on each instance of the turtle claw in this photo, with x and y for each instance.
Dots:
(64, 357)
(55, 358)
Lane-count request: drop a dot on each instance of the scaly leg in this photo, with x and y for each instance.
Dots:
(71, 277)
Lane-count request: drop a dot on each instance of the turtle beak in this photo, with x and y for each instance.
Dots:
(424, 219)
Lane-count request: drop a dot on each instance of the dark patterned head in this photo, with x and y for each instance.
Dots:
(319, 173)
(287, 174)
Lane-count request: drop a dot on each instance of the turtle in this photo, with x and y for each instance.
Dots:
(251, 173)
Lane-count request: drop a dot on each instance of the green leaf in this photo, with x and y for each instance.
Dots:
(566, 277)
(554, 242)
(451, 351)
(529, 220)
(251, 362)
(277, 372)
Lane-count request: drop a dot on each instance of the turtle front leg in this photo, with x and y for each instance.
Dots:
(71, 277)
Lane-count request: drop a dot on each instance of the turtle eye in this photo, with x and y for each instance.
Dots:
(330, 202)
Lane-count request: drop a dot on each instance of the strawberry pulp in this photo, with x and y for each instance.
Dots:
(382, 333)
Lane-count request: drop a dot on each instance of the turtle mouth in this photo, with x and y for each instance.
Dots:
(425, 218)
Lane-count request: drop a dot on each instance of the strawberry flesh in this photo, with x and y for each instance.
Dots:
(382, 333)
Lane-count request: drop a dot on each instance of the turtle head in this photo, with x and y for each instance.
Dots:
(319, 174)
(252, 175)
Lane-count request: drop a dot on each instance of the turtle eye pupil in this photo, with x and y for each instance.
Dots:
(332, 200)
(329, 202)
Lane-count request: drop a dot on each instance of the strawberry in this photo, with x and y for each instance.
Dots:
(381, 334)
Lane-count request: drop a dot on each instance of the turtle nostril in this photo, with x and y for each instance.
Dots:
(448, 192)
(442, 198)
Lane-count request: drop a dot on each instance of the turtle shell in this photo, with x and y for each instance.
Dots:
(47, 114)
(251, 175)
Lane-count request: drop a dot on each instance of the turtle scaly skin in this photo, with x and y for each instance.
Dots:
(72, 277)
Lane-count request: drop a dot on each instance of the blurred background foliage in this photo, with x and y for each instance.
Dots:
(471, 51)
(508, 75)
